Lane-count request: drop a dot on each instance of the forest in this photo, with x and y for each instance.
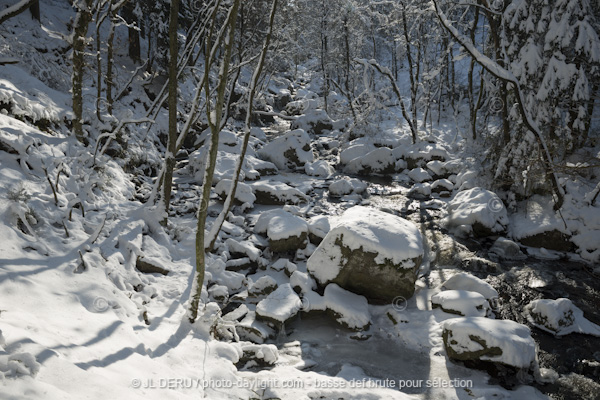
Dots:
(293, 199)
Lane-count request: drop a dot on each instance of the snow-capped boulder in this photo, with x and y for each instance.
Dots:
(347, 308)
(318, 227)
(370, 252)
(261, 355)
(483, 339)
(290, 151)
(302, 282)
(319, 168)
(378, 161)
(442, 186)
(420, 191)
(461, 302)
(419, 175)
(315, 121)
(559, 317)
(253, 330)
(243, 192)
(355, 151)
(345, 185)
(464, 281)
(480, 209)
(538, 225)
(287, 232)
(507, 249)
(279, 306)
(300, 106)
(276, 193)
(263, 286)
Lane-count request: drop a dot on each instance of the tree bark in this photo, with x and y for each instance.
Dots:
(80, 27)
(172, 100)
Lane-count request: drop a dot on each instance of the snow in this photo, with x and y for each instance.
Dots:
(355, 151)
(376, 161)
(283, 192)
(466, 303)
(537, 217)
(351, 309)
(344, 186)
(281, 305)
(319, 168)
(296, 141)
(419, 175)
(559, 317)
(284, 226)
(477, 205)
(303, 281)
(319, 225)
(391, 238)
(243, 192)
(507, 249)
(465, 281)
(513, 339)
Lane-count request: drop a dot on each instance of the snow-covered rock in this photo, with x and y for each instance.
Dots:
(349, 309)
(355, 151)
(479, 208)
(419, 175)
(483, 339)
(302, 282)
(263, 285)
(318, 227)
(461, 302)
(287, 232)
(319, 168)
(253, 330)
(442, 186)
(243, 248)
(243, 192)
(559, 317)
(507, 249)
(315, 121)
(465, 281)
(420, 190)
(279, 306)
(378, 161)
(345, 185)
(270, 192)
(289, 151)
(371, 253)
(538, 225)
(261, 355)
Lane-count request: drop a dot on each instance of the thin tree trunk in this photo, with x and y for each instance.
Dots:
(80, 27)
(172, 143)
(214, 120)
(212, 237)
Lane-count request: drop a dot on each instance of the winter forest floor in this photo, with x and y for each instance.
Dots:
(80, 320)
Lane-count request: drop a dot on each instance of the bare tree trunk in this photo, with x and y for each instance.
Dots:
(171, 146)
(214, 120)
(212, 237)
(80, 27)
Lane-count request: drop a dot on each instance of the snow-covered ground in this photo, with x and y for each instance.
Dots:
(82, 316)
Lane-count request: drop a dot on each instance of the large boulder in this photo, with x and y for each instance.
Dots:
(287, 232)
(371, 253)
(289, 151)
(479, 209)
(482, 339)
